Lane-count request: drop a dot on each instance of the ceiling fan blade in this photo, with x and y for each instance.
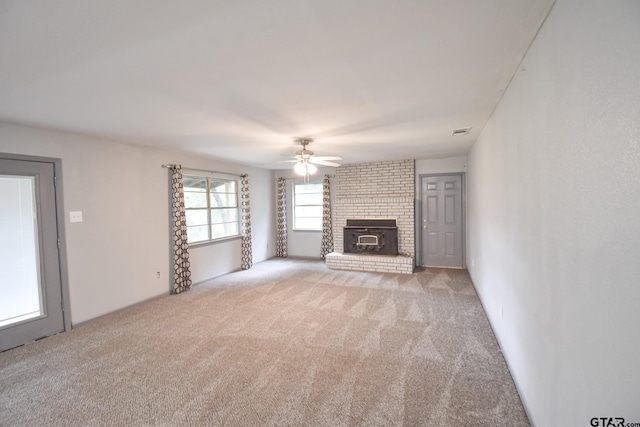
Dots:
(323, 162)
(327, 157)
(288, 161)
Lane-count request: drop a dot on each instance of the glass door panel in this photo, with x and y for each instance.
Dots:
(19, 260)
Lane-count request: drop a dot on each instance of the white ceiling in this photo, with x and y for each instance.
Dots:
(238, 80)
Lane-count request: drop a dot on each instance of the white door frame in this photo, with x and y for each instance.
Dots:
(418, 214)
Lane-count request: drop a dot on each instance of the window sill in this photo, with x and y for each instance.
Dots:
(307, 230)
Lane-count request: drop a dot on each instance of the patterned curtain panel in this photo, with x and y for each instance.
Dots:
(181, 266)
(327, 230)
(247, 254)
(281, 230)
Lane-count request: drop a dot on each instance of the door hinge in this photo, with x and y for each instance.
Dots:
(59, 242)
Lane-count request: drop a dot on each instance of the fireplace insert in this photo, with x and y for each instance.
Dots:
(371, 236)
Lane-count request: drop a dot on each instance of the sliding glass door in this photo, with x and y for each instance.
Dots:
(31, 303)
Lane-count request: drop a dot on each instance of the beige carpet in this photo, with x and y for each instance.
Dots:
(288, 342)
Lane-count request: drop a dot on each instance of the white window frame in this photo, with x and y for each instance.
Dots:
(293, 205)
(209, 207)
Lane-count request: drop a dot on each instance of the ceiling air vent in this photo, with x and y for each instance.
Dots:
(461, 131)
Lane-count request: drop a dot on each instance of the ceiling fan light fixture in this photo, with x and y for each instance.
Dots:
(311, 168)
(304, 163)
(305, 168)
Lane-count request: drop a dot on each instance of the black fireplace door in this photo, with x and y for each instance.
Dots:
(380, 241)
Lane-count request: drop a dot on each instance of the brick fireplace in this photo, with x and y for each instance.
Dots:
(375, 190)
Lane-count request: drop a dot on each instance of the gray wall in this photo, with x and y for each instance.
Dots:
(123, 192)
(553, 207)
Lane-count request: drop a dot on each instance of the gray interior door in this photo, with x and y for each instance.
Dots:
(442, 221)
(30, 281)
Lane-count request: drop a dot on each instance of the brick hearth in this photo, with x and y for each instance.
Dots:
(376, 263)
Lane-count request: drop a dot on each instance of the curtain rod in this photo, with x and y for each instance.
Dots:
(203, 170)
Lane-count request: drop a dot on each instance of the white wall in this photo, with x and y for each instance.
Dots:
(302, 243)
(123, 192)
(446, 165)
(553, 229)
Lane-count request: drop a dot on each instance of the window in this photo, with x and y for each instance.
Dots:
(307, 206)
(211, 206)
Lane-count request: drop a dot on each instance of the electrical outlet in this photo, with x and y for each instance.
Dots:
(473, 262)
(157, 274)
(75, 216)
(501, 312)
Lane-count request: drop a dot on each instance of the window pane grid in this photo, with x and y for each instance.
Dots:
(307, 206)
(224, 199)
(211, 206)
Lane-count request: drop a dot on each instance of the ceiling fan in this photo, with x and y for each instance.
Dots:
(305, 160)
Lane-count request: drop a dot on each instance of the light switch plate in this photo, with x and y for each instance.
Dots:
(75, 216)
